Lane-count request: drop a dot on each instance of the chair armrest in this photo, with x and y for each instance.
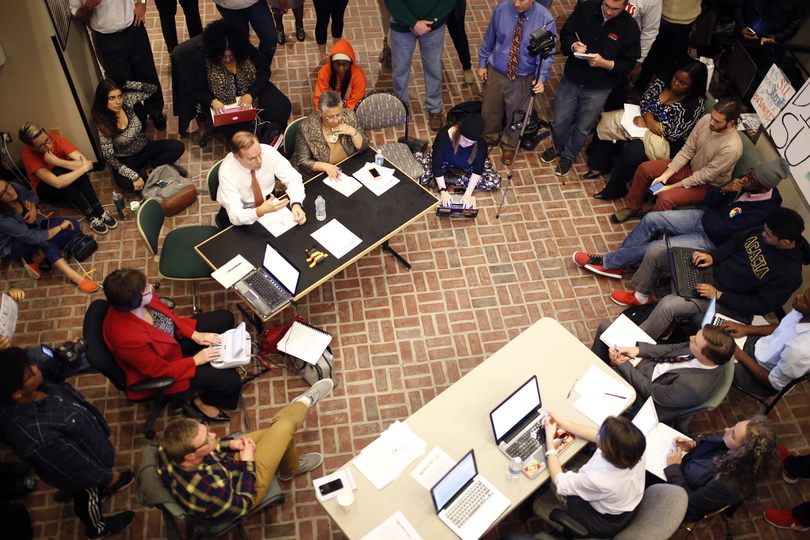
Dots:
(152, 384)
(571, 527)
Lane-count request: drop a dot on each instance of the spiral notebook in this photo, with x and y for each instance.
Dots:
(305, 342)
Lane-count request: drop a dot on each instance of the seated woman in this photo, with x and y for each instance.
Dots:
(123, 143)
(342, 75)
(724, 469)
(228, 69)
(670, 108)
(149, 340)
(26, 236)
(62, 170)
(459, 157)
(604, 493)
(326, 137)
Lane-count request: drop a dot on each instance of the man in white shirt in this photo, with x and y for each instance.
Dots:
(773, 355)
(257, 13)
(123, 46)
(247, 178)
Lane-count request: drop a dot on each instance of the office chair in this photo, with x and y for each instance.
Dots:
(179, 262)
(153, 492)
(681, 422)
(788, 387)
(289, 138)
(102, 359)
(384, 109)
(212, 181)
(728, 511)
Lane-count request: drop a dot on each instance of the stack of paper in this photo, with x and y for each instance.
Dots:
(625, 333)
(379, 185)
(336, 238)
(630, 112)
(384, 460)
(278, 222)
(232, 271)
(8, 316)
(433, 468)
(394, 528)
(600, 395)
(345, 184)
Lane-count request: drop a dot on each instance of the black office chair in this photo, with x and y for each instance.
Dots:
(770, 406)
(102, 359)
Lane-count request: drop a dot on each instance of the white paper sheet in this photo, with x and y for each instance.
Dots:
(630, 112)
(394, 528)
(8, 316)
(305, 342)
(232, 271)
(378, 186)
(344, 475)
(336, 238)
(596, 401)
(278, 222)
(383, 460)
(625, 333)
(433, 468)
(345, 185)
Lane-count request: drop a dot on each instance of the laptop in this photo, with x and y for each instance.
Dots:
(233, 114)
(660, 438)
(466, 501)
(271, 287)
(234, 348)
(685, 275)
(518, 426)
(712, 317)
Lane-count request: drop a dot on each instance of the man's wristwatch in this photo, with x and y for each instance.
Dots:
(142, 2)
(298, 203)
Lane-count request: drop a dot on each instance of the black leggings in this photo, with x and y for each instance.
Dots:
(323, 10)
(155, 153)
(80, 193)
(455, 25)
(168, 9)
(275, 107)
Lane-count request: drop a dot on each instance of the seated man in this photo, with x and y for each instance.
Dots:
(773, 355)
(706, 160)
(225, 478)
(742, 204)
(677, 376)
(247, 178)
(56, 432)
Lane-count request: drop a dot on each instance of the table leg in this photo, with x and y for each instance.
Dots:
(252, 318)
(399, 257)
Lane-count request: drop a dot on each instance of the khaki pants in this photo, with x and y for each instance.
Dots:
(503, 96)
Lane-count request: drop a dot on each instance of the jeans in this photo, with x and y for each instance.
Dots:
(52, 248)
(685, 227)
(570, 99)
(261, 19)
(431, 47)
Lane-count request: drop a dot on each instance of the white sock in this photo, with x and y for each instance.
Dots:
(642, 298)
(306, 400)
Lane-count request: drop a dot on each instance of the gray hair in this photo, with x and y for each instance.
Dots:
(329, 100)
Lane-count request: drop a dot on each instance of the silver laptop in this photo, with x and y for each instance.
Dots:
(517, 425)
(712, 317)
(270, 288)
(234, 348)
(660, 438)
(466, 501)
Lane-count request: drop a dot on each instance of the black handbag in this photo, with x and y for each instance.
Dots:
(80, 247)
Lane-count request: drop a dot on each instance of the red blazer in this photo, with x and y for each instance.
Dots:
(145, 352)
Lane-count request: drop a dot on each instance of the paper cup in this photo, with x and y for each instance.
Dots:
(345, 500)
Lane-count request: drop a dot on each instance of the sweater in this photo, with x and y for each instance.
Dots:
(406, 13)
(14, 227)
(711, 155)
(725, 216)
(680, 11)
(357, 83)
(444, 156)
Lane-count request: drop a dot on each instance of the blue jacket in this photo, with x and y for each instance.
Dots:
(14, 226)
(725, 216)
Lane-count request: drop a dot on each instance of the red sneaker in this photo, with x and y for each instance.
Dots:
(593, 263)
(783, 519)
(32, 269)
(783, 454)
(87, 285)
(627, 298)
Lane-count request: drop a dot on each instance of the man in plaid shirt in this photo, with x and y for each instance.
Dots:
(225, 478)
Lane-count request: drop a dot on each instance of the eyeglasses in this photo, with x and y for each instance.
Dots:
(207, 437)
(332, 117)
(252, 160)
(45, 144)
(149, 291)
(5, 191)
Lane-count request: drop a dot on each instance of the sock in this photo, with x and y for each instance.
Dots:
(642, 298)
(306, 400)
(98, 209)
(88, 213)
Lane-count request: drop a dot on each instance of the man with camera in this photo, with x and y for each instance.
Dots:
(507, 68)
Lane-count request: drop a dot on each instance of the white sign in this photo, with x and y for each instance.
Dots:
(790, 133)
(772, 95)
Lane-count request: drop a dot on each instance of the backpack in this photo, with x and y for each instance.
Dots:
(324, 369)
(170, 189)
(80, 247)
(270, 133)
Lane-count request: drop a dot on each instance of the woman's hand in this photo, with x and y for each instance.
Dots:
(218, 106)
(246, 102)
(550, 425)
(674, 457)
(447, 199)
(683, 444)
(331, 171)
(655, 128)
(137, 185)
(466, 200)
(205, 356)
(30, 215)
(50, 159)
(16, 294)
(206, 338)
(344, 129)
(65, 225)
(639, 121)
(87, 165)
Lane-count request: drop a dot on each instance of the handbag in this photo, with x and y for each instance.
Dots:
(174, 192)
(610, 127)
(179, 201)
(655, 147)
(312, 373)
(272, 336)
(80, 247)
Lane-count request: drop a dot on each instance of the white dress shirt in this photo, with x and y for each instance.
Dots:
(663, 367)
(235, 193)
(610, 490)
(108, 16)
(786, 352)
(235, 4)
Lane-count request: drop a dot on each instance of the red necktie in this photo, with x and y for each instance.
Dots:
(514, 51)
(257, 191)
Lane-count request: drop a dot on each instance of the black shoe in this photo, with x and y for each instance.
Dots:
(159, 122)
(107, 220)
(606, 195)
(282, 39)
(221, 417)
(16, 469)
(124, 482)
(550, 154)
(45, 265)
(299, 33)
(98, 226)
(115, 524)
(17, 489)
(590, 175)
(563, 167)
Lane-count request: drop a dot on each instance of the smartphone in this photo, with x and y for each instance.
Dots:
(331, 487)
(47, 350)
(656, 187)
(45, 224)
(375, 173)
(163, 183)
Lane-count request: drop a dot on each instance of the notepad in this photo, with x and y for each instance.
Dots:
(630, 112)
(278, 222)
(396, 527)
(336, 238)
(305, 342)
(625, 333)
(600, 395)
(346, 185)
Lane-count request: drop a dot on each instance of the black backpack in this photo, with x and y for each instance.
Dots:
(80, 247)
(457, 113)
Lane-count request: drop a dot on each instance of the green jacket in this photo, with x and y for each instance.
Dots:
(406, 13)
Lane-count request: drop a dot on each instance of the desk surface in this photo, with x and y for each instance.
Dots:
(458, 419)
(373, 219)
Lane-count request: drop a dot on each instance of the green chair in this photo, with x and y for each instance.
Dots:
(682, 420)
(180, 261)
(212, 180)
(289, 138)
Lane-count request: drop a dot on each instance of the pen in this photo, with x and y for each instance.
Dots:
(614, 395)
(576, 34)
(572, 389)
(88, 273)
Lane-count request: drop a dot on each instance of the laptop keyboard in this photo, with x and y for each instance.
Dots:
(464, 507)
(688, 275)
(270, 292)
(527, 443)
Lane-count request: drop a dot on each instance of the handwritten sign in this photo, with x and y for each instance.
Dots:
(790, 133)
(772, 95)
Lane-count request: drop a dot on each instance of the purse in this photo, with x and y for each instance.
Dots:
(179, 201)
(312, 373)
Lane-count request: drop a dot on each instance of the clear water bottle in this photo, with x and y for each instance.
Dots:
(320, 208)
(514, 470)
(118, 201)
(379, 158)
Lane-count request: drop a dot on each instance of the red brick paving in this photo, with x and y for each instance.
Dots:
(401, 336)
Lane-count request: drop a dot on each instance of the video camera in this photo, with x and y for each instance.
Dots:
(69, 352)
(542, 43)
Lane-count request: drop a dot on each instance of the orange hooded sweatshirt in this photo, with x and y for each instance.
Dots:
(357, 84)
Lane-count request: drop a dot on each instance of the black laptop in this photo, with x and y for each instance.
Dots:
(685, 275)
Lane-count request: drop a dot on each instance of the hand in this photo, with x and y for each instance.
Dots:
(701, 260)
(284, 6)
(421, 27)
(5, 343)
(205, 356)
(706, 291)
(248, 453)
(620, 355)
(658, 180)
(16, 294)
(245, 102)
(735, 185)
(482, 74)
(298, 214)
(580, 47)
(598, 62)
(272, 205)
(765, 40)
(241, 443)
(344, 129)
(655, 128)
(140, 13)
(447, 199)
(639, 121)
(331, 171)
(50, 159)
(87, 165)
(683, 444)
(31, 213)
(537, 87)
(206, 338)
(550, 425)
(747, 33)
(632, 77)
(137, 185)
(674, 456)
(218, 106)
(466, 201)
(66, 226)
(736, 329)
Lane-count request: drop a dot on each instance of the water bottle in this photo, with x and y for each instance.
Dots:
(515, 468)
(320, 208)
(118, 201)
(379, 158)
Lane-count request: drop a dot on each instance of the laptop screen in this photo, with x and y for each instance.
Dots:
(511, 412)
(281, 269)
(709, 317)
(647, 418)
(454, 481)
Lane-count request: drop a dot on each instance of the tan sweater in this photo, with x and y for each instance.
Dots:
(680, 11)
(711, 155)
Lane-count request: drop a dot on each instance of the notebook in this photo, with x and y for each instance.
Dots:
(305, 342)
(660, 438)
(271, 287)
(517, 425)
(466, 501)
(685, 275)
(232, 115)
(625, 333)
(234, 348)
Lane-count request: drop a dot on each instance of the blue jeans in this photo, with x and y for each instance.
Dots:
(685, 228)
(261, 19)
(431, 47)
(52, 248)
(570, 99)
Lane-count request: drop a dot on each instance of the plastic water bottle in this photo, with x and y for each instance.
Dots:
(118, 201)
(514, 470)
(320, 208)
(379, 158)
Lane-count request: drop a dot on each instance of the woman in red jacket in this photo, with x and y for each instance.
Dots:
(149, 340)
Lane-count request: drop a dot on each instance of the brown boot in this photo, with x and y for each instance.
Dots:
(436, 121)
(624, 214)
(508, 156)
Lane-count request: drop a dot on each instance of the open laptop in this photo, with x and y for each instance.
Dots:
(271, 287)
(712, 317)
(466, 501)
(234, 348)
(660, 438)
(233, 114)
(685, 275)
(517, 425)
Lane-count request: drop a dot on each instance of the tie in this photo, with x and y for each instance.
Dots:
(676, 359)
(257, 192)
(514, 50)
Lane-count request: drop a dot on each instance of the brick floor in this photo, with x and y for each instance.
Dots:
(401, 336)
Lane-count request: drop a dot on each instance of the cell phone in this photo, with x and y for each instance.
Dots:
(44, 224)
(331, 487)
(162, 183)
(374, 172)
(47, 350)
(656, 187)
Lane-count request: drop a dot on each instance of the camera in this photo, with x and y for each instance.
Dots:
(69, 351)
(542, 43)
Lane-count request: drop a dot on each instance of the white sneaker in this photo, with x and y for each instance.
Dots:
(306, 463)
(317, 392)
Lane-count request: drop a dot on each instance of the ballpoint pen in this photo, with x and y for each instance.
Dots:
(572, 388)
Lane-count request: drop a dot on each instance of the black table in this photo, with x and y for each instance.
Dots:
(373, 219)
